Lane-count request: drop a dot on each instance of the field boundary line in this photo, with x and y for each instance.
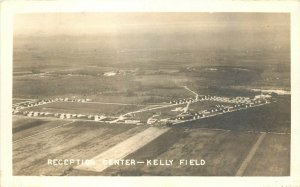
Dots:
(250, 155)
(123, 149)
(195, 93)
(153, 108)
(108, 103)
(43, 132)
(23, 99)
(279, 133)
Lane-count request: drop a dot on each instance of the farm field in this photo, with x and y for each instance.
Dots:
(20, 122)
(222, 153)
(78, 140)
(34, 126)
(263, 164)
(219, 149)
(124, 148)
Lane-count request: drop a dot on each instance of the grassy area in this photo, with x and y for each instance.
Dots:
(86, 108)
(22, 122)
(31, 124)
(274, 117)
(15, 101)
(80, 140)
(152, 68)
(45, 125)
(272, 158)
(160, 113)
(204, 105)
(223, 154)
(155, 75)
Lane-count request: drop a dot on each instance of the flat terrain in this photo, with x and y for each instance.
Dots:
(32, 126)
(204, 105)
(21, 123)
(224, 142)
(263, 164)
(78, 140)
(121, 150)
(145, 59)
(85, 108)
(220, 149)
(15, 101)
(274, 117)
(161, 113)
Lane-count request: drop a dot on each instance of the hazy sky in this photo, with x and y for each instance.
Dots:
(116, 23)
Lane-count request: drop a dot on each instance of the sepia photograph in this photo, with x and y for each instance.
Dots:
(151, 94)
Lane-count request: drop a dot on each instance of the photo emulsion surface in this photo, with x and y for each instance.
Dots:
(151, 94)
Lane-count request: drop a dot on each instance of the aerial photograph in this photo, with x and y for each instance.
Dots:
(151, 94)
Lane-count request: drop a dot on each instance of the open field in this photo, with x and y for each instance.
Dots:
(274, 117)
(15, 101)
(152, 75)
(160, 113)
(134, 62)
(78, 140)
(21, 122)
(263, 164)
(213, 139)
(204, 105)
(121, 150)
(24, 124)
(220, 149)
(225, 149)
(31, 130)
(86, 108)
